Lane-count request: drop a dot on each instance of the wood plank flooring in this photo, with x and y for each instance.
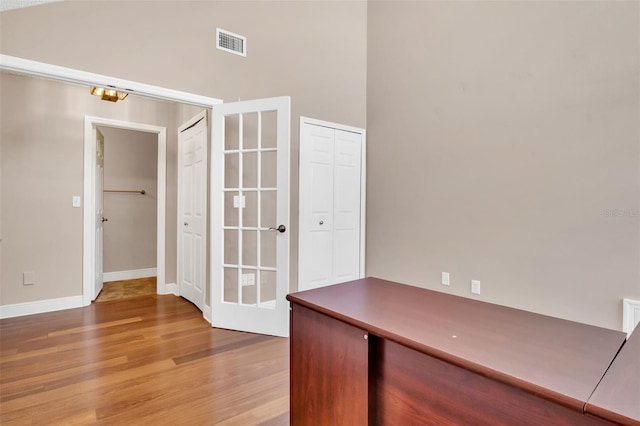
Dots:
(137, 361)
(127, 288)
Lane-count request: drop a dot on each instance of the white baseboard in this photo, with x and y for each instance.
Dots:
(207, 313)
(171, 288)
(40, 306)
(630, 315)
(129, 275)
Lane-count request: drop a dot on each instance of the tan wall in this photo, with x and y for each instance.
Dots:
(314, 52)
(130, 234)
(504, 147)
(42, 134)
(502, 136)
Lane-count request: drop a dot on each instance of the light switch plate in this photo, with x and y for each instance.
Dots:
(239, 202)
(28, 278)
(76, 201)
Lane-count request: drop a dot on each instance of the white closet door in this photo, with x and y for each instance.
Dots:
(316, 211)
(331, 197)
(100, 219)
(346, 206)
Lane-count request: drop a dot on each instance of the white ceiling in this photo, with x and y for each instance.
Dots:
(17, 4)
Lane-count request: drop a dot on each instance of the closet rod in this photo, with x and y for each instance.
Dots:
(142, 191)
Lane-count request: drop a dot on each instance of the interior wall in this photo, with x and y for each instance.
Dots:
(130, 234)
(314, 52)
(503, 146)
(42, 134)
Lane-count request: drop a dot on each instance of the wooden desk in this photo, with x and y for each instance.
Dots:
(617, 397)
(376, 352)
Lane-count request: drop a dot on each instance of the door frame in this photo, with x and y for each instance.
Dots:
(363, 183)
(71, 75)
(75, 76)
(89, 222)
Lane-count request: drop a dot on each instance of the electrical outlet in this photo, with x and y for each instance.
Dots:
(475, 286)
(445, 278)
(248, 279)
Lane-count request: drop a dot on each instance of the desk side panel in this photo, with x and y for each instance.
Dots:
(413, 388)
(617, 397)
(329, 371)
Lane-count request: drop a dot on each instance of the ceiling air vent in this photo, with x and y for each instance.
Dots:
(230, 42)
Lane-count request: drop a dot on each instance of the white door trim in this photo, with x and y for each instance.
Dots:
(363, 182)
(89, 223)
(41, 69)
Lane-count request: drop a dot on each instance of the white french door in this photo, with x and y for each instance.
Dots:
(100, 219)
(250, 215)
(192, 209)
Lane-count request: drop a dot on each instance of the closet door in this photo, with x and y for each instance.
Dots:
(331, 197)
(315, 260)
(346, 206)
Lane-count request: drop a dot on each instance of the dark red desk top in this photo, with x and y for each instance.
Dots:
(617, 397)
(560, 360)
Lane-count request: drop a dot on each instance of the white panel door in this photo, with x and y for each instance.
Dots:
(192, 210)
(100, 219)
(346, 206)
(316, 213)
(331, 240)
(250, 216)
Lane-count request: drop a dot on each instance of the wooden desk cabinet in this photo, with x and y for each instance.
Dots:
(376, 352)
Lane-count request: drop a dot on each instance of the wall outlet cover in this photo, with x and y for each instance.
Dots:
(445, 278)
(475, 286)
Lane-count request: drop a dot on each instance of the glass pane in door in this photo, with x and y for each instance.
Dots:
(268, 289)
(250, 197)
(230, 285)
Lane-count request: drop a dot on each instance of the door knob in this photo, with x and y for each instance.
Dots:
(280, 228)
(104, 219)
(186, 224)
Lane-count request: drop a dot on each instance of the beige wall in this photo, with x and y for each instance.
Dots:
(42, 134)
(130, 163)
(314, 52)
(504, 146)
(502, 136)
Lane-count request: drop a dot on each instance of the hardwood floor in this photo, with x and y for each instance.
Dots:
(143, 360)
(114, 290)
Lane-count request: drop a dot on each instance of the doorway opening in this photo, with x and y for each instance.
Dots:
(21, 66)
(92, 256)
(129, 243)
